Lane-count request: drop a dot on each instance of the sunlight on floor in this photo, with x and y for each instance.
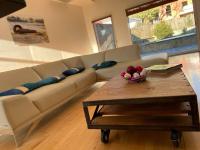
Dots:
(192, 58)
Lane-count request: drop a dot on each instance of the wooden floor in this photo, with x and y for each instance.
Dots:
(66, 129)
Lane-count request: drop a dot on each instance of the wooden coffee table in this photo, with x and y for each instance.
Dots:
(163, 102)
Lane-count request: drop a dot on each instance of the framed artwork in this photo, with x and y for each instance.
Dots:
(103, 29)
(28, 30)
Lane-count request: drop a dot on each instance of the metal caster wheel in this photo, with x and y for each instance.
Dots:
(176, 138)
(105, 135)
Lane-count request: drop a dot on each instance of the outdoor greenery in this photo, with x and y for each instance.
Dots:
(148, 15)
(155, 24)
(163, 30)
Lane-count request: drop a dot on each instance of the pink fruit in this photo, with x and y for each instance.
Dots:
(136, 75)
(123, 73)
(127, 76)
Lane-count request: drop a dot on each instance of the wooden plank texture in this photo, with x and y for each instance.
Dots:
(144, 121)
(148, 109)
(157, 86)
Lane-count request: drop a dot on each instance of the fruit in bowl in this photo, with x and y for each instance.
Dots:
(135, 74)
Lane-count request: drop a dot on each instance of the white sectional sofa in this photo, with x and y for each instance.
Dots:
(21, 112)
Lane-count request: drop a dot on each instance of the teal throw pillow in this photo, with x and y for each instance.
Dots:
(104, 64)
(47, 81)
(11, 92)
(28, 87)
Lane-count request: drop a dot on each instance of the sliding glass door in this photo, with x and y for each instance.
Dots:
(164, 26)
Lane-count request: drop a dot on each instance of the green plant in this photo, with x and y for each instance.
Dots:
(184, 30)
(148, 15)
(189, 21)
(163, 30)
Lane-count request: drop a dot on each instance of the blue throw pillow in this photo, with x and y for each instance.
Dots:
(31, 86)
(11, 92)
(104, 64)
(50, 80)
(28, 87)
(47, 81)
(73, 71)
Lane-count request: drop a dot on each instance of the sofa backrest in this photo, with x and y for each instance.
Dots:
(12, 79)
(50, 69)
(15, 78)
(73, 62)
(122, 54)
(92, 59)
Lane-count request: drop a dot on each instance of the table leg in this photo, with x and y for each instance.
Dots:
(87, 115)
(176, 137)
(96, 112)
(195, 113)
(105, 133)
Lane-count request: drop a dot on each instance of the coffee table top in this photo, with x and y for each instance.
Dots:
(158, 87)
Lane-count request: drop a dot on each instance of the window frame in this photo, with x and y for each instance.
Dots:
(146, 6)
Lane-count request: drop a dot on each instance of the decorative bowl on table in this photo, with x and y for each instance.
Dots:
(135, 74)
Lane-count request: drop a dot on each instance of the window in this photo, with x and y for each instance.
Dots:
(168, 10)
(155, 27)
(103, 29)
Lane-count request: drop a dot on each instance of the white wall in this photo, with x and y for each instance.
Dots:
(66, 30)
(116, 8)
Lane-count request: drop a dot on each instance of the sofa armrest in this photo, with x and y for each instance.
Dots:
(16, 110)
(156, 56)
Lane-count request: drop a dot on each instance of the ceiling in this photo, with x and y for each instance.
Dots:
(75, 2)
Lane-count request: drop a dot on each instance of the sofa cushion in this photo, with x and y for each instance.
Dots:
(154, 61)
(51, 95)
(17, 110)
(92, 59)
(50, 69)
(15, 78)
(160, 55)
(122, 54)
(83, 79)
(73, 62)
